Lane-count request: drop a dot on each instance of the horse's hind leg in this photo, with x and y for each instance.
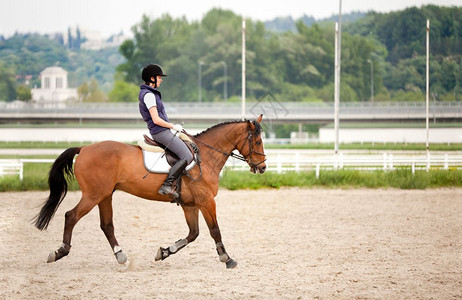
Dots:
(106, 224)
(192, 219)
(71, 218)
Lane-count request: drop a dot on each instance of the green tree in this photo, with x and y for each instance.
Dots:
(90, 92)
(124, 92)
(7, 84)
(23, 93)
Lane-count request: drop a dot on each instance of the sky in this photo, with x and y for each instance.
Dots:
(113, 16)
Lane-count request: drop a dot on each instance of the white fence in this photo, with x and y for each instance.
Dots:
(11, 167)
(15, 167)
(301, 161)
(298, 162)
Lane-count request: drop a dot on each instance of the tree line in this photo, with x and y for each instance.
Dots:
(386, 50)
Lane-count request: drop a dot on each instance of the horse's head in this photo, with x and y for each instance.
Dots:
(252, 147)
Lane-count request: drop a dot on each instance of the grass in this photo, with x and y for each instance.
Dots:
(36, 176)
(399, 178)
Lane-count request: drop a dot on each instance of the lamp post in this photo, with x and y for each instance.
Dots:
(225, 81)
(372, 79)
(199, 82)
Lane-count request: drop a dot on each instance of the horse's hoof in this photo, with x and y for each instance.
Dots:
(121, 257)
(231, 263)
(51, 257)
(159, 254)
(162, 254)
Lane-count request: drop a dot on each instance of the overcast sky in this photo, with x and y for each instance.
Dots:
(113, 16)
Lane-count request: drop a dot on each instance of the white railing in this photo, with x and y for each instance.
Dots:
(302, 162)
(11, 167)
(298, 162)
(14, 167)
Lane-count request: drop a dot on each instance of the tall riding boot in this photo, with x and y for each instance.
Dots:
(174, 173)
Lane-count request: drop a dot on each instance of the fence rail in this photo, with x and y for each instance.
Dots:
(302, 162)
(298, 162)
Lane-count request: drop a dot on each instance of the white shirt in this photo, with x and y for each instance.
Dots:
(150, 100)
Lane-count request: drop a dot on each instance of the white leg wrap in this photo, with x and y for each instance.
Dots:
(178, 245)
(117, 249)
(120, 255)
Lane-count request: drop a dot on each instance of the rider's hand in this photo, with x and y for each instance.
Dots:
(177, 127)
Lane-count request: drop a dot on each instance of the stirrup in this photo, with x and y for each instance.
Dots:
(170, 192)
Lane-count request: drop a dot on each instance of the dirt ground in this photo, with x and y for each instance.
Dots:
(289, 243)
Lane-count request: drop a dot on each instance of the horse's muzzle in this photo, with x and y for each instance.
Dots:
(258, 169)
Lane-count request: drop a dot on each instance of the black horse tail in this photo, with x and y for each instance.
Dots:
(61, 168)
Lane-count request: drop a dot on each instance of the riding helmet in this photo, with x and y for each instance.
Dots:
(151, 70)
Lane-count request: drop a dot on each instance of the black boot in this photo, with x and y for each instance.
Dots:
(174, 173)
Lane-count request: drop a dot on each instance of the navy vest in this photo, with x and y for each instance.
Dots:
(144, 111)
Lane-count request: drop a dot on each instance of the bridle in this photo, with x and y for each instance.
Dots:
(246, 158)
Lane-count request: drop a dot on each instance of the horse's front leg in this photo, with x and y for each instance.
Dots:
(210, 216)
(192, 219)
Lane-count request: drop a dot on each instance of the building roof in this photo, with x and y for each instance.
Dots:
(54, 71)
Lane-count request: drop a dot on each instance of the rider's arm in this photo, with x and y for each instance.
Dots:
(150, 101)
(157, 120)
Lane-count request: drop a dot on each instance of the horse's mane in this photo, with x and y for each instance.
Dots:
(257, 130)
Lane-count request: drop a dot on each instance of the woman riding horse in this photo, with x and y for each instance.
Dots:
(153, 112)
(104, 167)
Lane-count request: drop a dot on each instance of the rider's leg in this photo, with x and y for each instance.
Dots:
(177, 146)
(175, 172)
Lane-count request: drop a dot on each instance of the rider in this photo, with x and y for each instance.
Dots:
(153, 112)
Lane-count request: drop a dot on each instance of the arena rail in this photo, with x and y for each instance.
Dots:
(302, 162)
(387, 161)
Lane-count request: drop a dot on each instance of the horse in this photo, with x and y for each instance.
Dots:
(104, 167)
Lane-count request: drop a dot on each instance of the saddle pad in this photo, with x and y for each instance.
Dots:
(156, 162)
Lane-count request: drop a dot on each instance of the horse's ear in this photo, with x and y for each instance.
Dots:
(259, 118)
(250, 125)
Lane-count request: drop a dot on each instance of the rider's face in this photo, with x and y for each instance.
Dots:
(159, 80)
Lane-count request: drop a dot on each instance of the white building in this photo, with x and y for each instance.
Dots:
(53, 86)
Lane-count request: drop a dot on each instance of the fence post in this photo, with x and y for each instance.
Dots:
(317, 170)
(297, 162)
(413, 168)
(391, 161)
(446, 162)
(384, 161)
(21, 171)
(428, 161)
(279, 165)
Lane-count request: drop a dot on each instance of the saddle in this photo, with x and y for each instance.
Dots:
(159, 159)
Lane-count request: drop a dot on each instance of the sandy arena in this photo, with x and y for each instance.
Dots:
(289, 243)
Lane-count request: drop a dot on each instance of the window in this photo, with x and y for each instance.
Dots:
(47, 82)
(59, 83)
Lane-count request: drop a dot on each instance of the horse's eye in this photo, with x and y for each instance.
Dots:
(258, 143)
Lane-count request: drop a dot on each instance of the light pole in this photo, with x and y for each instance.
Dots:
(372, 79)
(225, 81)
(199, 82)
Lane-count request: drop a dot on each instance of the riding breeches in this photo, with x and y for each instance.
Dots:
(174, 143)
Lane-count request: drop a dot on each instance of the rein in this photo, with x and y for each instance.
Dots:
(240, 157)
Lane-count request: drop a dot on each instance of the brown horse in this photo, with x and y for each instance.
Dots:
(104, 167)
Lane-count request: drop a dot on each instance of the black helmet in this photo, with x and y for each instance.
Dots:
(152, 70)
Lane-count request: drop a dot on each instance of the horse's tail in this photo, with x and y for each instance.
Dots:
(61, 168)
